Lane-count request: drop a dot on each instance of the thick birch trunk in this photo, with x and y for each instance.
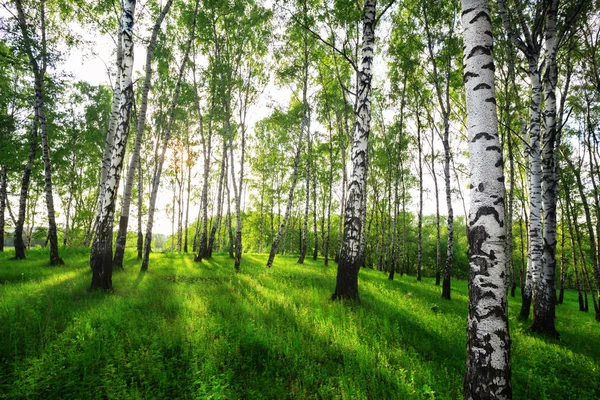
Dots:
(139, 132)
(347, 275)
(544, 299)
(487, 375)
(101, 254)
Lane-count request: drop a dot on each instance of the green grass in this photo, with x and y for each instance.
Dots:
(199, 331)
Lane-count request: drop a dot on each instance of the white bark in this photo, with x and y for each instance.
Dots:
(347, 276)
(488, 346)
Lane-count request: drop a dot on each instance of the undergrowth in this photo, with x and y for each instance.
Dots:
(199, 331)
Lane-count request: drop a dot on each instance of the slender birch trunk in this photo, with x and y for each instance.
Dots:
(203, 249)
(140, 235)
(487, 375)
(3, 198)
(187, 200)
(19, 244)
(139, 132)
(347, 275)
(574, 248)
(420, 212)
(39, 70)
(288, 207)
(167, 136)
(217, 222)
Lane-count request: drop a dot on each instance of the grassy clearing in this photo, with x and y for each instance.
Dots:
(186, 330)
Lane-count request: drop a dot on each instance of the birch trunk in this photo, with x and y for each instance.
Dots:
(140, 235)
(487, 375)
(166, 138)
(25, 182)
(420, 212)
(574, 248)
(203, 248)
(347, 274)
(3, 198)
(139, 132)
(544, 299)
(39, 70)
(101, 254)
(216, 224)
(288, 207)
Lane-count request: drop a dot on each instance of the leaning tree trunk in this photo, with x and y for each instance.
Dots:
(101, 253)
(167, 136)
(544, 299)
(347, 274)
(139, 132)
(487, 375)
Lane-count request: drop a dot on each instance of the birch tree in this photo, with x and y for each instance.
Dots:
(101, 252)
(39, 66)
(350, 257)
(487, 374)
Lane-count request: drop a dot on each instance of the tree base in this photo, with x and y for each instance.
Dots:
(57, 261)
(545, 328)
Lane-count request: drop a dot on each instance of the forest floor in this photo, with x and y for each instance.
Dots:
(197, 331)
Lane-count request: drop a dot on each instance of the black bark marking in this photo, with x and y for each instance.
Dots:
(480, 135)
(489, 33)
(481, 14)
(468, 75)
(479, 50)
(486, 211)
(480, 187)
(490, 100)
(465, 12)
(482, 86)
(500, 200)
(482, 263)
(494, 148)
(490, 66)
(499, 163)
